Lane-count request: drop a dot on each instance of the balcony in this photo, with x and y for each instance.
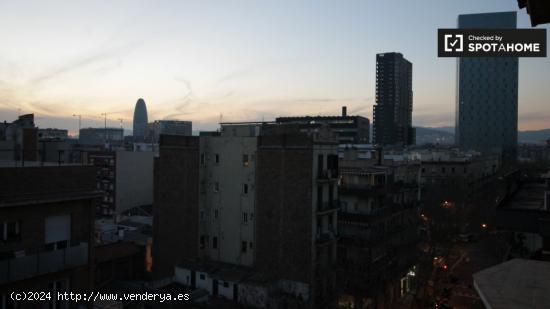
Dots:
(327, 207)
(325, 238)
(363, 191)
(15, 269)
(328, 175)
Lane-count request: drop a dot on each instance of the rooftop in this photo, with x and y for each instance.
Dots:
(516, 284)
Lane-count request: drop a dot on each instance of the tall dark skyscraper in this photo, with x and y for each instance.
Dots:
(486, 117)
(394, 101)
(140, 120)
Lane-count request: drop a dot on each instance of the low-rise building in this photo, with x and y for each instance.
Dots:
(101, 136)
(349, 129)
(46, 230)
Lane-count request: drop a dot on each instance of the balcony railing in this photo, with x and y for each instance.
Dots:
(328, 207)
(326, 237)
(327, 175)
(19, 268)
(363, 190)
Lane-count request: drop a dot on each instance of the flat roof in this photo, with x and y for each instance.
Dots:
(515, 284)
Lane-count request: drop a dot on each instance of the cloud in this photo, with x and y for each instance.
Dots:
(86, 61)
(257, 68)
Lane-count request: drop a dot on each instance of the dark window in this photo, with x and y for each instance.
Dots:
(251, 246)
(245, 217)
(202, 276)
(320, 165)
(215, 213)
(245, 188)
(245, 160)
(216, 186)
(319, 197)
(202, 242)
(215, 242)
(243, 246)
(10, 231)
(217, 158)
(203, 158)
(225, 284)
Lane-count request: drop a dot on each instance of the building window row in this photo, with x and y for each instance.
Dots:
(247, 159)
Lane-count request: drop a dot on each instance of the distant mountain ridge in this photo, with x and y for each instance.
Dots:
(445, 136)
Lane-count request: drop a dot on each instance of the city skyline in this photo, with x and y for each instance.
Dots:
(199, 61)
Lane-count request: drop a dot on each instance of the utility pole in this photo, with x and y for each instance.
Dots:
(79, 123)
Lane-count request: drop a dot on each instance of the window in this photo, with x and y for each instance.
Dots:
(202, 242)
(251, 246)
(216, 187)
(214, 242)
(202, 276)
(243, 246)
(217, 159)
(225, 284)
(245, 188)
(202, 215)
(215, 214)
(443, 170)
(246, 162)
(203, 158)
(245, 217)
(10, 231)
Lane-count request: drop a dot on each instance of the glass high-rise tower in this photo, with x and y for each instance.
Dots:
(486, 116)
(140, 120)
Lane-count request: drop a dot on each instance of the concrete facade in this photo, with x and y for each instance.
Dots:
(252, 200)
(392, 114)
(48, 212)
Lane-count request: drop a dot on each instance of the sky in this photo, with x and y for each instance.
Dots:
(229, 60)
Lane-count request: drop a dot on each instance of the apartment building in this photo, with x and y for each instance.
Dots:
(125, 177)
(46, 230)
(254, 208)
(378, 224)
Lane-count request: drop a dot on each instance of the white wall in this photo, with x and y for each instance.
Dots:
(134, 179)
(230, 202)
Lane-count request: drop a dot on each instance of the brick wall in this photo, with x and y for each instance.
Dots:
(284, 207)
(176, 196)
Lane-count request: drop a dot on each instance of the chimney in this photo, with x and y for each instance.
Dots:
(344, 111)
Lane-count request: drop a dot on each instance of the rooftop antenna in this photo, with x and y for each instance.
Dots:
(105, 135)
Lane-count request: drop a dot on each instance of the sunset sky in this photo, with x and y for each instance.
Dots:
(239, 60)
